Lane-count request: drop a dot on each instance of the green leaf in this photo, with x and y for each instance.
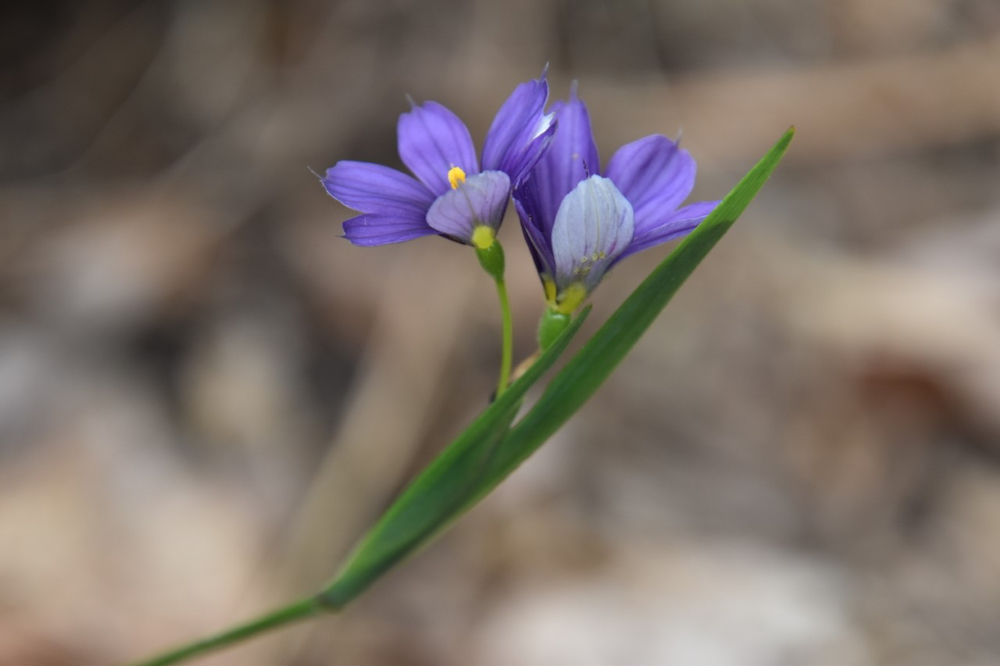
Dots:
(442, 489)
(585, 373)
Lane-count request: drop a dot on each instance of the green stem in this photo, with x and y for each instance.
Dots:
(295, 612)
(491, 258)
(507, 356)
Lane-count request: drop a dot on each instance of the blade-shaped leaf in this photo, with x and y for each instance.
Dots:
(439, 492)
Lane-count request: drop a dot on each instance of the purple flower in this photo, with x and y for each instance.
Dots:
(579, 223)
(450, 195)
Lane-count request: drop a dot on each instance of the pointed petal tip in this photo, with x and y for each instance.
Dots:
(370, 230)
(376, 189)
(519, 133)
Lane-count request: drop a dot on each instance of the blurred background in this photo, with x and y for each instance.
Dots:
(206, 394)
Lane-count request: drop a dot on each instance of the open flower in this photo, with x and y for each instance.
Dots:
(579, 223)
(450, 195)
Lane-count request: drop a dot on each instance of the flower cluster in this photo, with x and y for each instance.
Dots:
(578, 219)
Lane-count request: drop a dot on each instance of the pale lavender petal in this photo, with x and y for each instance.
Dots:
(570, 158)
(653, 173)
(480, 200)
(520, 131)
(673, 225)
(593, 226)
(373, 188)
(370, 230)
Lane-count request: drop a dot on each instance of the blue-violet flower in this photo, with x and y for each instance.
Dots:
(579, 223)
(450, 195)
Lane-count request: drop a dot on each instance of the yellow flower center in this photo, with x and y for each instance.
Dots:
(483, 236)
(456, 177)
(572, 297)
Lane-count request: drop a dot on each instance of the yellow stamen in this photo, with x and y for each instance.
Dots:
(573, 296)
(483, 236)
(456, 177)
(550, 290)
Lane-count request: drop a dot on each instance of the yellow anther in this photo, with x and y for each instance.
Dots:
(456, 177)
(483, 236)
(571, 298)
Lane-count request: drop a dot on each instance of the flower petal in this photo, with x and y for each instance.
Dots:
(520, 131)
(368, 230)
(373, 188)
(593, 226)
(654, 173)
(570, 158)
(538, 242)
(432, 139)
(673, 225)
(480, 200)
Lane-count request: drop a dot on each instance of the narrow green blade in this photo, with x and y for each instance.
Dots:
(440, 491)
(584, 374)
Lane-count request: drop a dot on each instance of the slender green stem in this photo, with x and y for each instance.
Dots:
(491, 258)
(295, 612)
(507, 355)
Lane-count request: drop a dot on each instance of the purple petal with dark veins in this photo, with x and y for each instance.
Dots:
(368, 230)
(593, 226)
(570, 158)
(377, 189)
(672, 225)
(520, 131)
(480, 200)
(654, 174)
(538, 244)
(432, 139)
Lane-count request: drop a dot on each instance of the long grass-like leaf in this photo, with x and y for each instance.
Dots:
(439, 492)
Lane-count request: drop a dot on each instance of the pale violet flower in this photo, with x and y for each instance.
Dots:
(580, 221)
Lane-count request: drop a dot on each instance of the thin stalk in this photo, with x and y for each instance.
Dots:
(507, 355)
(300, 610)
